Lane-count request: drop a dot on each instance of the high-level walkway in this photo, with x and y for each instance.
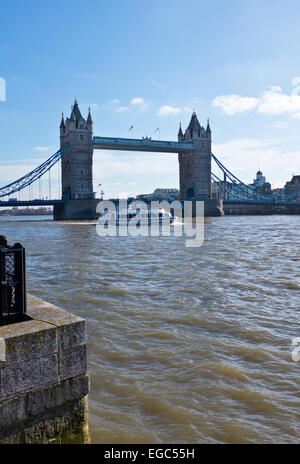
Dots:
(144, 144)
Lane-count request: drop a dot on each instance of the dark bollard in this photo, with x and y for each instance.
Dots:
(12, 282)
(3, 240)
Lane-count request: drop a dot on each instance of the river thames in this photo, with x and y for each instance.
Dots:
(185, 345)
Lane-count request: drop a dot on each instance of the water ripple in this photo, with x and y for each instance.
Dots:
(184, 345)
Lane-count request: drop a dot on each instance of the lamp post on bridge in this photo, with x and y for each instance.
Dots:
(101, 192)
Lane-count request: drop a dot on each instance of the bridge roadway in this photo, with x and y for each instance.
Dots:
(144, 144)
(261, 202)
(9, 204)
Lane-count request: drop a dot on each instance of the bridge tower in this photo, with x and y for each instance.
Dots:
(77, 164)
(77, 167)
(195, 166)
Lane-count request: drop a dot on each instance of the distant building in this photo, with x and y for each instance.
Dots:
(260, 184)
(160, 194)
(293, 186)
(235, 191)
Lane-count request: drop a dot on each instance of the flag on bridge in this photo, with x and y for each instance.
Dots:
(130, 128)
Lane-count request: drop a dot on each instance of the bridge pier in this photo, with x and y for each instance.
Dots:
(75, 210)
(213, 207)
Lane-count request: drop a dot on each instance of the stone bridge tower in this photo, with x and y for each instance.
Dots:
(77, 163)
(77, 167)
(195, 166)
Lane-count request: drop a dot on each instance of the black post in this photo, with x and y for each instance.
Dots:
(12, 282)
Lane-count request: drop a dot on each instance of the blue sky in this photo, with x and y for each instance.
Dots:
(149, 63)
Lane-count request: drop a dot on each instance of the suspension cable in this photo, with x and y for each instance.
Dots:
(32, 176)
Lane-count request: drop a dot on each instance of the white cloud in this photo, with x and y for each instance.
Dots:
(281, 125)
(2, 89)
(94, 106)
(232, 104)
(139, 103)
(115, 170)
(296, 84)
(167, 110)
(108, 164)
(115, 101)
(272, 101)
(121, 109)
(11, 171)
(41, 148)
(246, 155)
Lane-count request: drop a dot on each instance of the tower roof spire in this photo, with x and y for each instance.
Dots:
(194, 123)
(62, 124)
(72, 117)
(180, 133)
(89, 119)
(208, 127)
(77, 113)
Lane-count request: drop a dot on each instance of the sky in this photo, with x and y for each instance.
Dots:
(149, 63)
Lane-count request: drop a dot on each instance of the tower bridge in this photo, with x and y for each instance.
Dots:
(193, 148)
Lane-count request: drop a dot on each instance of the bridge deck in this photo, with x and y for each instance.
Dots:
(160, 146)
(9, 204)
(261, 202)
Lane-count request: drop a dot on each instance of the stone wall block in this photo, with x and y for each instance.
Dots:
(21, 377)
(17, 410)
(72, 362)
(28, 340)
(72, 335)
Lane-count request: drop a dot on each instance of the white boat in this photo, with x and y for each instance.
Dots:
(139, 216)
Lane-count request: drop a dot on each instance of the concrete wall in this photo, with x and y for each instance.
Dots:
(212, 208)
(43, 379)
